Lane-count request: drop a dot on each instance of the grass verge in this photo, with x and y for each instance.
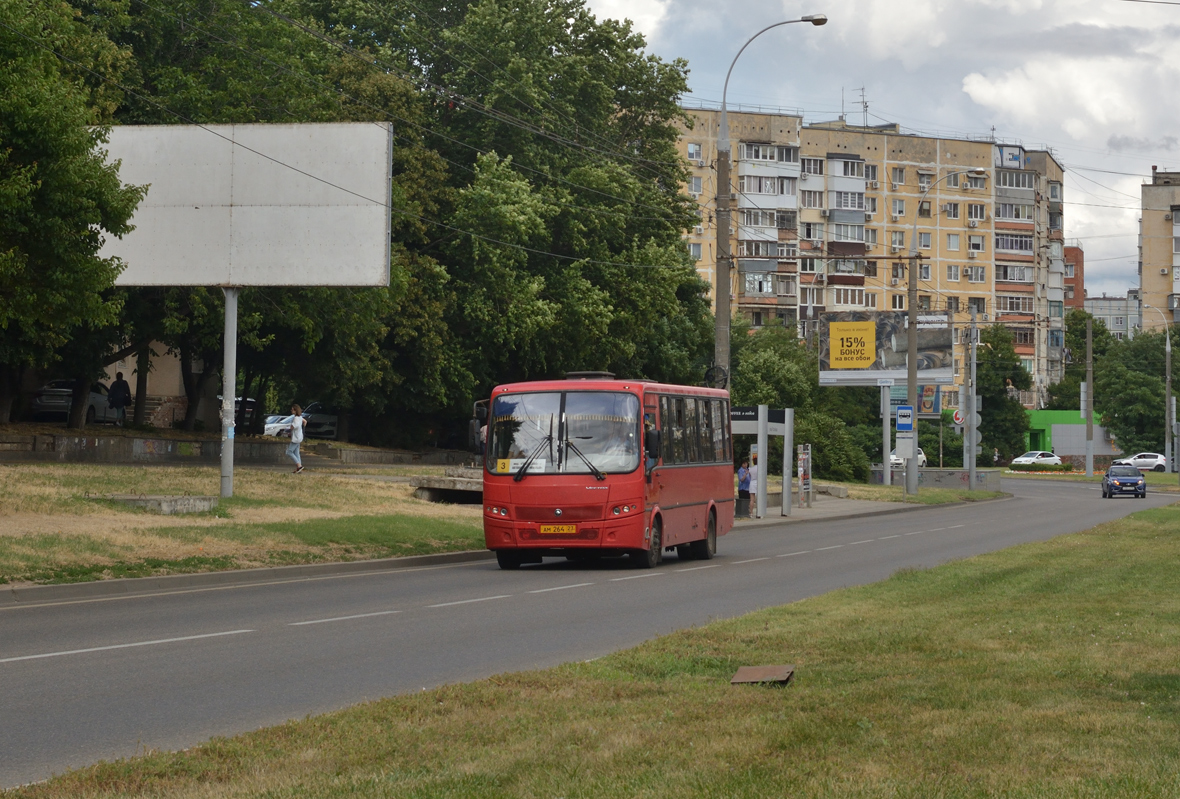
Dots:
(1047, 670)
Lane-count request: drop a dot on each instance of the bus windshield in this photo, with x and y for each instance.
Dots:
(573, 432)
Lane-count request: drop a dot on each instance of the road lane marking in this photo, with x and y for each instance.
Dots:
(122, 646)
(343, 618)
(793, 554)
(469, 601)
(636, 576)
(918, 532)
(854, 543)
(751, 560)
(559, 588)
(824, 549)
(887, 537)
(697, 568)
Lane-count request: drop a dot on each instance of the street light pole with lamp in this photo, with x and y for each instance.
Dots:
(911, 473)
(724, 256)
(1170, 456)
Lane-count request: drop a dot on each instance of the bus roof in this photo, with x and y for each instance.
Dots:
(596, 384)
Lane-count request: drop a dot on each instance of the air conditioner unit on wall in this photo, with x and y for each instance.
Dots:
(1167, 217)
(1163, 270)
(894, 185)
(971, 254)
(699, 229)
(972, 223)
(702, 163)
(893, 281)
(896, 217)
(895, 249)
(874, 184)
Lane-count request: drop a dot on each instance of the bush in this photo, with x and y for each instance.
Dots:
(1041, 467)
(835, 455)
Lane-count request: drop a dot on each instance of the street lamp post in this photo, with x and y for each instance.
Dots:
(911, 472)
(724, 257)
(1170, 455)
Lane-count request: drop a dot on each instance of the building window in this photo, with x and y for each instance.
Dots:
(759, 284)
(977, 304)
(1027, 364)
(1056, 221)
(924, 180)
(1014, 303)
(1054, 191)
(924, 242)
(952, 273)
(975, 243)
(788, 249)
(808, 264)
(844, 266)
(850, 200)
(1014, 274)
(755, 248)
(756, 318)
(1013, 242)
(1069, 270)
(952, 180)
(974, 182)
(784, 285)
(952, 305)
(870, 235)
(756, 218)
(1023, 213)
(924, 209)
(811, 199)
(1056, 308)
(1011, 179)
(1069, 292)
(870, 299)
(924, 302)
(870, 172)
(899, 208)
(843, 296)
(1176, 244)
(812, 166)
(899, 271)
(788, 155)
(951, 210)
(694, 152)
(897, 174)
(975, 274)
(786, 220)
(811, 296)
(897, 302)
(1118, 321)
(976, 211)
(897, 238)
(952, 242)
(812, 230)
(870, 205)
(924, 272)
(758, 184)
(848, 232)
(1056, 338)
(854, 169)
(759, 152)
(1022, 336)
(694, 250)
(788, 186)
(870, 268)
(694, 185)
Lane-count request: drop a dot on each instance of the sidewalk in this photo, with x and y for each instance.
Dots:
(826, 508)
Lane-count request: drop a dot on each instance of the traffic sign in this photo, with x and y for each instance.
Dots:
(976, 420)
(905, 418)
(960, 417)
(974, 437)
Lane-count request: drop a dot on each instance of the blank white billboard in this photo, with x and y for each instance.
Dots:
(256, 205)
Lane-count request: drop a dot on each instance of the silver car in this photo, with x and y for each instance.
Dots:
(55, 399)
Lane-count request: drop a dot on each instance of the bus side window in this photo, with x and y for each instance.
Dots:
(679, 455)
(725, 429)
(692, 438)
(666, 430)
(718, 442)
(706, 425)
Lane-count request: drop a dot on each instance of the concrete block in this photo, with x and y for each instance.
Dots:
(165, 504)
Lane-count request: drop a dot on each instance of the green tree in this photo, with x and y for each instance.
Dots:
(58, 197)
(999, 375)
(1129, 392)
(1066, 395)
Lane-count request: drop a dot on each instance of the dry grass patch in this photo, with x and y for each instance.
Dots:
(1048, 670)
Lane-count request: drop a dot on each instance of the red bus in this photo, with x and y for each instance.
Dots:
(592, 466)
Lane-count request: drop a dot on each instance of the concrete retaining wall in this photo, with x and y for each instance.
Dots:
(985, 479)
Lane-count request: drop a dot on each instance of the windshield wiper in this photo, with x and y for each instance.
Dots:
(598, 475)
(524, 467)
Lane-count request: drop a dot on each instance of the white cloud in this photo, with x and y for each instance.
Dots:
(646, 14)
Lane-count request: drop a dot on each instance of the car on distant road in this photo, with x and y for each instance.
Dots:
(1037, 458)
(1144, 462)
(1123, 479)
(55, 399)
(897, 460)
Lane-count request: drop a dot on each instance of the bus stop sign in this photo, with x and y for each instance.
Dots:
(905, 418)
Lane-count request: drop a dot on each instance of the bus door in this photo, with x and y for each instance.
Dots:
(651, 466)
(675, 483)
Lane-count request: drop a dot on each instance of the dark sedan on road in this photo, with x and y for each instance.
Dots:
(1123, 479)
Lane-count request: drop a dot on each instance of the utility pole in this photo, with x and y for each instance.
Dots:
(911, 464)
(724, 259)
(1089, 399)
(974, 418)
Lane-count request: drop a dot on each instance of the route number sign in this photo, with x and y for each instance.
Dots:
(853, 345)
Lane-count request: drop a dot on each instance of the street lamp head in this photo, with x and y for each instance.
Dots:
(978, 172)
(816, 19)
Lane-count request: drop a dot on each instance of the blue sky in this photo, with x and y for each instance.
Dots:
(1094, 80)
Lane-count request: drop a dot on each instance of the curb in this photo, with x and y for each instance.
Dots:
(130, 586)
(781, 520)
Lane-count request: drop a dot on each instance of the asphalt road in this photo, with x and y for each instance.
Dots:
(101, 679)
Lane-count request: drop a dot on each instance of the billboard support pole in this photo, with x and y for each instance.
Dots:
(886, 412)
(764, 454)
(788, 451)
(229, 390)
(911, 464)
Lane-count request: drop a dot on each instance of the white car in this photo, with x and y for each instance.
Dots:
(277, 425)
(1145, 462)
(1037, 458)
(896, 460)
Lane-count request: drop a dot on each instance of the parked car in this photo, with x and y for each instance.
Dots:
(276, 425)
(1123, 479)
(896, 460)
(319, 423)
(55, 399)
(1145, 462)
(1037, 458)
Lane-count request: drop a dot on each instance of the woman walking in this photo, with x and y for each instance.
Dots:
(297, 423)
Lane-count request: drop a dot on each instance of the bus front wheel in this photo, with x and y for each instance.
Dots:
(508, 560)
(706, 549)
(651, 557)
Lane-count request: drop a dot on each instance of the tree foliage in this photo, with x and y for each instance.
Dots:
(999, 376)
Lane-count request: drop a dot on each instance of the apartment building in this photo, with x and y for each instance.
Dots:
(1075, 276)
(1119, 314)
(1159, 249)
(827, 214)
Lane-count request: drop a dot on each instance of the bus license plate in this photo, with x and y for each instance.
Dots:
(559, 529)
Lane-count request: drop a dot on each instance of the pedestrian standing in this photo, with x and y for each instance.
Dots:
(297, 424)
(118, 398)
(754, 481)
(743, 476)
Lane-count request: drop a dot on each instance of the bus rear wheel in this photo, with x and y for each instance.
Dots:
(706, 549)
(651, 557)
(508, 560)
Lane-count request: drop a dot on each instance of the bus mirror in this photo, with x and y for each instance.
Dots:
(480, 411)
(473, 435)
(651, 444)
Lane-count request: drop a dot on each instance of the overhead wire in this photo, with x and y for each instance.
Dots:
(278, 162)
